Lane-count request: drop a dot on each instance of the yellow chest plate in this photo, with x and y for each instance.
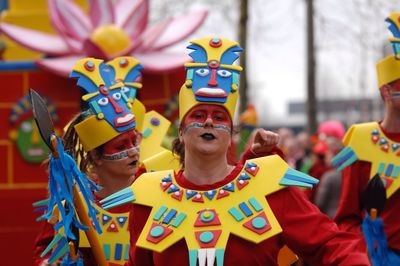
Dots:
(367, 142)
(205, 219)
(115, 236)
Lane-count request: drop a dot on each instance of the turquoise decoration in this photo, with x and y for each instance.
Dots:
(255, 204)
(344, 158)
(107, 251)
(119, 198)
(296, 178)
(259, 222)
(206, 237)
(236, 214)
(160, 212)
(178, 220)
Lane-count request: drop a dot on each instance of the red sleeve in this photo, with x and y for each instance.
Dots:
(44, 238)
(248, 154)
(349, 215)
(137, 219)
(311, 234)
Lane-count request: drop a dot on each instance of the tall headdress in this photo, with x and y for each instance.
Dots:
(388, 69)
(211, 78)
(111, 93)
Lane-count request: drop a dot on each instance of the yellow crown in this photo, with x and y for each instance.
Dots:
(111, 95)
(93, 132)
(388, 70)
(211, 78)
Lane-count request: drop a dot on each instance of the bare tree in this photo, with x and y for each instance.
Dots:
(243, 62)
(311, 69)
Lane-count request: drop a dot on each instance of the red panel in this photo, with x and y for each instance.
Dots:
(18, 228)
(25, 172)
(3, 164)
(13, 83)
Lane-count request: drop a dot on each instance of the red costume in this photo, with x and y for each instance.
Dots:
(350, 213)
(306, 231)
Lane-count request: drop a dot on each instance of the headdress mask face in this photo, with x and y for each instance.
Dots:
(111, 90)
(388, 69)
(212, 77)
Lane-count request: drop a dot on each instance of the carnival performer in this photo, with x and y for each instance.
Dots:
(373, 148)
(111, 156)
(212, 211)
(105, 141)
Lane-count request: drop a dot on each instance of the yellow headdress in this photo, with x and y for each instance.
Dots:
(388, 69)
(111, 94)
(211, 78)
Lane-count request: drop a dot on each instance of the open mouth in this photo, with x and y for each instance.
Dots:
(133, 163)
(208, 136)
(211, 92)
(124, 120)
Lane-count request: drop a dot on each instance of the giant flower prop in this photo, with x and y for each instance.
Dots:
(108, 31)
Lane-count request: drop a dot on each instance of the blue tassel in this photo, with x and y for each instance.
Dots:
(375, 238)
(64, 174)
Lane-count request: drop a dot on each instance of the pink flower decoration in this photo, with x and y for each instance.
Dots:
(108, 31)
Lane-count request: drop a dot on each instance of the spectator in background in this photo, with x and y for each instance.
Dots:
(328, 193)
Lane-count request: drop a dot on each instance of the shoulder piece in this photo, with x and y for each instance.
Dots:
(161, 161)
(206, 218)
(155, 127)
(367, 142)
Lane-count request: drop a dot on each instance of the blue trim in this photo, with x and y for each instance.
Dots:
(3, 5)
(17, 65)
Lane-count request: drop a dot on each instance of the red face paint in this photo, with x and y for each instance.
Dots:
(202, 112)
(124, 141)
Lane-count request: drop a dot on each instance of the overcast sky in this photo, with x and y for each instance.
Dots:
(350, 36)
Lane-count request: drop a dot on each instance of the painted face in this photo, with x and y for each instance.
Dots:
(29, 143)
(213, 83)
(204, 114)
(395, 89)
(122, 146)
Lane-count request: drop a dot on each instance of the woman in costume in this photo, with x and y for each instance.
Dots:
(105, 141)
(112, 157)
(212, 211)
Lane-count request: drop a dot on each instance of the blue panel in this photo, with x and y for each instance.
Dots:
(18, 65)
(171, 214)
(389, 169)
(118, 252)
(245, 209)
(210, 194)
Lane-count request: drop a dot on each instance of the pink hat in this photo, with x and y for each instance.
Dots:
(332, 128)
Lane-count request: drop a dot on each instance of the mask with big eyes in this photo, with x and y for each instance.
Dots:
(213, 84)
(122, 146)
